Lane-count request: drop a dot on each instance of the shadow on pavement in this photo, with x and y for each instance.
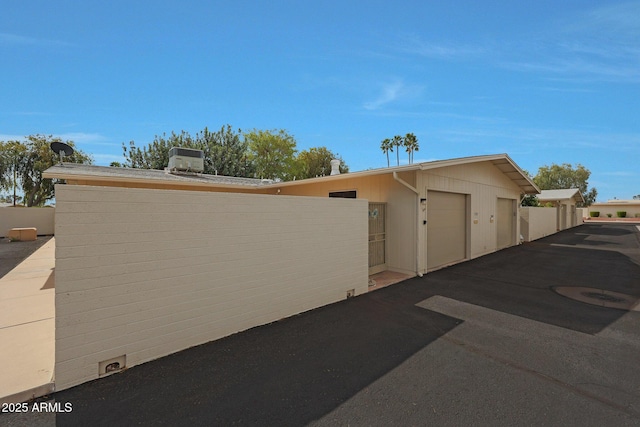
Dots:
(301, 368)
(289, 372)
(13, 253)
(519, 280)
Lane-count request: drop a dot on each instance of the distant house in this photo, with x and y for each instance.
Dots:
(612, 207)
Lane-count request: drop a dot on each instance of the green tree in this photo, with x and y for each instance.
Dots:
(12, 156)
(316, 161)
(637, 197)
(530, 200)
(556, 177)
(411, 145)
(225, 152)
(156, 154)
(28, 160)
(386, 146)
(272, 153)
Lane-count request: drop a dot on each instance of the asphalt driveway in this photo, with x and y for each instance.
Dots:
(487, 342)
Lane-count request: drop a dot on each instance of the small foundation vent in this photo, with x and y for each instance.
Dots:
(111, 366)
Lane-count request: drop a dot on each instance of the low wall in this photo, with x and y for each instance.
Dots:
(18, 217)
(536, 223)
(144, 273)
(612, 209)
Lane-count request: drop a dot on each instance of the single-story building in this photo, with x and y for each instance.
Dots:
(631, 208)
(565, 201)
(151, 262)
(422, 216)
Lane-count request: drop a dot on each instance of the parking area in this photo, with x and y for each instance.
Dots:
(486, 342)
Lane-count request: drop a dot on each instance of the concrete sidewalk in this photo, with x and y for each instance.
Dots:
(27, 327)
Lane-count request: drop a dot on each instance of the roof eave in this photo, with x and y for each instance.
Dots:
(101, 179)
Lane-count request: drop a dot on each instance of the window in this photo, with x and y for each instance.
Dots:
(344, 194)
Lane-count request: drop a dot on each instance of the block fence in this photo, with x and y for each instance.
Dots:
(143, 273)
(42, 219)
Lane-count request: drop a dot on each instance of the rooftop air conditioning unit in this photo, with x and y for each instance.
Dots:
(186, 159)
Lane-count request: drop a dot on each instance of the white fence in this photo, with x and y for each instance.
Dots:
(536, 223)
(42, 219)
(143, 273)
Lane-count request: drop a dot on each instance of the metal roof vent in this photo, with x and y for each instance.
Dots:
(186, 160)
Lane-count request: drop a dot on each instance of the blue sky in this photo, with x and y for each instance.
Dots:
(544, 81)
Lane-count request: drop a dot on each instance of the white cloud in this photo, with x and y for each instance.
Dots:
(599, 44)
(78, 138)
(447, 50)
(87, 138)
(18, 40)
(392, 92)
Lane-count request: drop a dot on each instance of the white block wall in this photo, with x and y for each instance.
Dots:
(536, 223)
(40, 218)
(145, 273)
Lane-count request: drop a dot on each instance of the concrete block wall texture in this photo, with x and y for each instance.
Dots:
(536, 223)
(42, 219)
(145, 273)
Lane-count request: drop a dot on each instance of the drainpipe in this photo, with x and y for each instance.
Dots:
(417, 193)
(405, 183)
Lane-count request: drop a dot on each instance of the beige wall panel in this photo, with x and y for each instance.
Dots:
(485, 184)
(446, 228)
(505, 222)
(536, 223)
(610, 208)
(146, 272)
(160, 186)
(401, 210)
(41, 218)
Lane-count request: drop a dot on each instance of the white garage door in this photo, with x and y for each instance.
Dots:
(506, 218)
(446, 228)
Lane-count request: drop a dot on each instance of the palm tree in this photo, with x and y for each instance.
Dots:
(411, 144)
(386, 146)
(397, 141)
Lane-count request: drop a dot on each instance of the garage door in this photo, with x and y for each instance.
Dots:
(506, 218)
(446, 228)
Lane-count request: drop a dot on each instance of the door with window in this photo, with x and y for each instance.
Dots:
(377, 237)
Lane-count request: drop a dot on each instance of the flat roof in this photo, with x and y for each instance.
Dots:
(618, 202)
(109, 174)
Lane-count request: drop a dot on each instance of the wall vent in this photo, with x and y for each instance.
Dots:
(111, 366)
